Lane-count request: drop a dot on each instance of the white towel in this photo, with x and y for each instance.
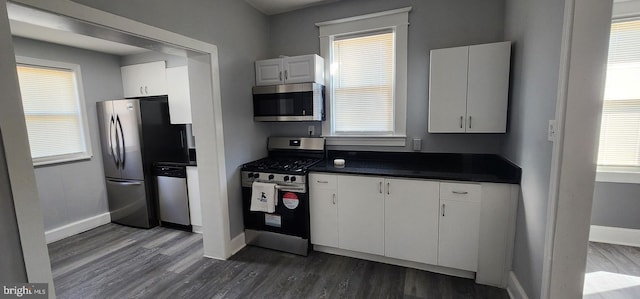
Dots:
(263, 197)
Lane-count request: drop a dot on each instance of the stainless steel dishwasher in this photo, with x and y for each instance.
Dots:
(172, 194)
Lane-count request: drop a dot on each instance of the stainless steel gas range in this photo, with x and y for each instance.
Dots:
(287, 228)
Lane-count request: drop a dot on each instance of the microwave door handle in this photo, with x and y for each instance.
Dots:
(121, 150)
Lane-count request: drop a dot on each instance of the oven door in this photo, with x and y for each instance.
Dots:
(293, 102)
(291, 216)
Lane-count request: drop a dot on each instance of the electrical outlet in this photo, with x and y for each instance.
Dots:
(551, 134)
(417, 144)
(311, 130)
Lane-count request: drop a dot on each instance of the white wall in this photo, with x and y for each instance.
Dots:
(535, 27)
(76, 191)
(432, 25)
(241, 34)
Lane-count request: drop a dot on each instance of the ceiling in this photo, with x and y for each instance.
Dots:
(272, 7)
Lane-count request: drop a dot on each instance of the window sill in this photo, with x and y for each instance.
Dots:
(367, 140)
(42, 162)
(617, 176)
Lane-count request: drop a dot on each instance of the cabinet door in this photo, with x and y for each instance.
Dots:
(178, 91)
(488, 88)
(300, 69)
(459, 226)
(411, 220)
(448, 90)
(269, 72)
(147, 79)
(361, 214)
(193, 188)
(323, 207)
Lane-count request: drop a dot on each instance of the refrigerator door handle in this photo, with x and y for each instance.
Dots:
(112, 124)
(121, 144)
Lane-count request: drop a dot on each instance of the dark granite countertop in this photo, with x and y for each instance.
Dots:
(441, 166)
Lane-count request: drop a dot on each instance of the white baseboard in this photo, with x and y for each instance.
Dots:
(615, 235)
(514, 288)
(196, 229)
(77, 227)
(237, 243)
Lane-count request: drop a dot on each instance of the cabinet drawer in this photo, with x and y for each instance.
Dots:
(324, 181)
(462, 192)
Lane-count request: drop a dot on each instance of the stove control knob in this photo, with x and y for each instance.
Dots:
(286, 178)
(293, 179)
(271, 176)
(257, 175)
(250, 175)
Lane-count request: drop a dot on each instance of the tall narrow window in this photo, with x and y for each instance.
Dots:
(54, 111)
(366, 78)
(363, 68)
(620, 131)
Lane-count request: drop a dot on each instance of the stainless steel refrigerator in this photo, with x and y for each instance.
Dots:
(135, 134)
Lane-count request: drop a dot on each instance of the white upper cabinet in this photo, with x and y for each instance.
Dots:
(468, 89)
(179, 97)
(143, 80)
(287, 70)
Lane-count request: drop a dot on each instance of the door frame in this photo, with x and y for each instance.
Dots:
(585, 41)
(207, 127)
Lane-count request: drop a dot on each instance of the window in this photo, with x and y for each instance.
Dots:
(54, 111)
(366, 63)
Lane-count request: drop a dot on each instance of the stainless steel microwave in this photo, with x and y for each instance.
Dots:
(289, 102)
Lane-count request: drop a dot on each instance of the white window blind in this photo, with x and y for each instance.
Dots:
(620, 131)
(363, 95)
(53, 113)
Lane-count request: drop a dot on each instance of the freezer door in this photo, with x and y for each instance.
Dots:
(107, 126)
(128, 203)
(128, 128)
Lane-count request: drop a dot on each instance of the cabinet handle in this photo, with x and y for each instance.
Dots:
(442, 210)
(141, 92)
(146, 91)
(380, 187)
(469, 121)
(323, 182)
(459, 192)
(334, 198)
(280, 76)
(286, 75)
(461, 118)
(388, 188)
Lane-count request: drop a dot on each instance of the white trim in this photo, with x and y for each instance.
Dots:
(77, 227)
(82, 107)
(392, 261)
(615, 235)
(514, 288)
(626, 9)
(396, 20)
(237, 243)
(367, 16)
(196, 229)
(367, 141)
(618, 177)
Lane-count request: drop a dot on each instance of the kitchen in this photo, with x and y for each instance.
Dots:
(238, 121)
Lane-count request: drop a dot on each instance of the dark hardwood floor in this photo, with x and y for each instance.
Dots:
(114, 261)
(613, 272)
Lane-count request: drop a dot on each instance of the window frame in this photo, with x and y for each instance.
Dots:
(396, 20)
(82, 110)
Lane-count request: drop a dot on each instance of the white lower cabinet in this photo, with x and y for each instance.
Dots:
(323, 202)
(459, 226)
(193, 189)
(411, 220)
(361, 214)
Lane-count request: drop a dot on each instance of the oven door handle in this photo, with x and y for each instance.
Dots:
(290, 188)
